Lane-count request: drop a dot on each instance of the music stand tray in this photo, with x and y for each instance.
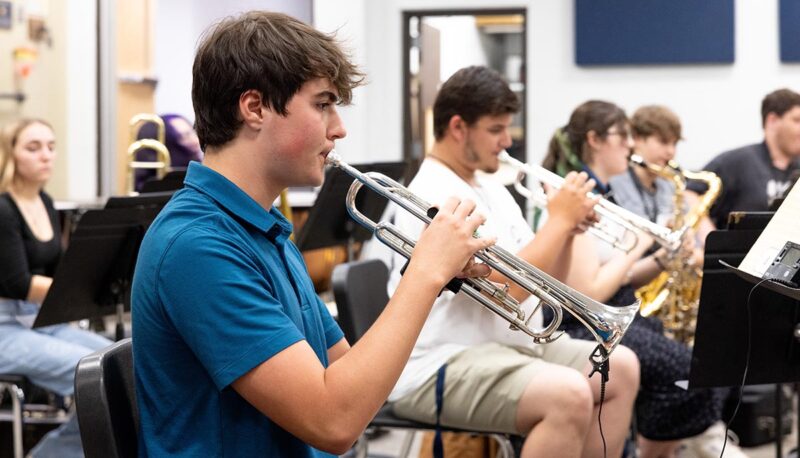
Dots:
(172, 181)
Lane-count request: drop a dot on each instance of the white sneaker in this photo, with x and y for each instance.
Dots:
(709, 444)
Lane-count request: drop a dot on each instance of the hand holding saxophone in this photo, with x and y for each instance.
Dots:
(446, 247)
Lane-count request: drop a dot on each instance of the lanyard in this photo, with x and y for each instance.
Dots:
(649, 200)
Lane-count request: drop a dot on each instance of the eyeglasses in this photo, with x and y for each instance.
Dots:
(624, 134)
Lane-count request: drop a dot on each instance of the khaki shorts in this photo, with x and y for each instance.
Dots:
(483, 384)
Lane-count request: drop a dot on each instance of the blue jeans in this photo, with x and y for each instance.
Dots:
(48, 357)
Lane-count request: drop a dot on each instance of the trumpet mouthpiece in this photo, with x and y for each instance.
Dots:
(635, 159)
(333, 158)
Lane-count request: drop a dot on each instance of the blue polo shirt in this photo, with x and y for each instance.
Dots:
(218, 289)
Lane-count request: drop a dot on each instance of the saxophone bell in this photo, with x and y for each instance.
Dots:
(674, 295)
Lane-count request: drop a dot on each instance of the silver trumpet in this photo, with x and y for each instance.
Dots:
(608, 324)
(607, 211)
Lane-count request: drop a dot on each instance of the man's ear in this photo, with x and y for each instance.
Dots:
(457, 127)
(771, 119)
(251, 108)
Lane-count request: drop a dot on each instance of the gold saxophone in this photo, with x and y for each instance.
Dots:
(674, 295)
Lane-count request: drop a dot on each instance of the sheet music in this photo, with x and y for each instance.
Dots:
(783, 227)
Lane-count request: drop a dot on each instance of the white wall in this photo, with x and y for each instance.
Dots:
(81, 106)
(348, 19)
(718, 104)
(175, 37)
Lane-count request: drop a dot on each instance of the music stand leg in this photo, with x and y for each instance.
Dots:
(119, 333)
(351, 250)
(778, 421)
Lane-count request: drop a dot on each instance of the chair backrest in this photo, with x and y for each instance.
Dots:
(359, 289)
(105, 400)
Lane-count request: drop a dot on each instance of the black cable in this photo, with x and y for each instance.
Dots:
(600, 412)
(746, 365)
(601, 365)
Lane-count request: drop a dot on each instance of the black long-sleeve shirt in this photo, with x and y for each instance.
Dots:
(22, 255)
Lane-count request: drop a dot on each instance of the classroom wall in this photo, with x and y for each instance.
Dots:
(718, 104)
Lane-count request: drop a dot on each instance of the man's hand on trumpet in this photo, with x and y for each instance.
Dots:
(570, 203)
(446, 247)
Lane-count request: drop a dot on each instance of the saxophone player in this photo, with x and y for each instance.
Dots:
(656, 131)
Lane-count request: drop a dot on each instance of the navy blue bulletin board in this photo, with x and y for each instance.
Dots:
(623, 32)
(790, 30)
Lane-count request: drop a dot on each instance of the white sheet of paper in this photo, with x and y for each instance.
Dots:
(783, 227)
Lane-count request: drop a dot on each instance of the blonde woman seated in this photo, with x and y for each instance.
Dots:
(30, 247)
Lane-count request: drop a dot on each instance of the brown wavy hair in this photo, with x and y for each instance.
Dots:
(778, 102)
(656, 120)
(471, 93)
(272, 53)
(568, 150)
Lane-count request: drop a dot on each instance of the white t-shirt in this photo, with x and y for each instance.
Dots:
(456, 321)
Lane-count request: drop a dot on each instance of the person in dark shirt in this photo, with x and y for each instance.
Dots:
(753, 176)
(235, 355)
(30, 249)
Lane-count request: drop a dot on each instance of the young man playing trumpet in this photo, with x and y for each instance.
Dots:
(234, 353)
(496, 379)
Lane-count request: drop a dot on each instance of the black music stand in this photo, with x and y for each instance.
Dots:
(328, 222)
(720, 350)
(172, 181)
(94, 277)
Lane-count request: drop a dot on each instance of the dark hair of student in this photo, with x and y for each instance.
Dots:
(271, 53)
(778, 102)
(656, 120)
(568, 149)
(471, 93)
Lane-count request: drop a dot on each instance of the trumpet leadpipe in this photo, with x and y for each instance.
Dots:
(671, 240)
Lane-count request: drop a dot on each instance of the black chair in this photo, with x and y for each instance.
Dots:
(105, 400)
(359, 289)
